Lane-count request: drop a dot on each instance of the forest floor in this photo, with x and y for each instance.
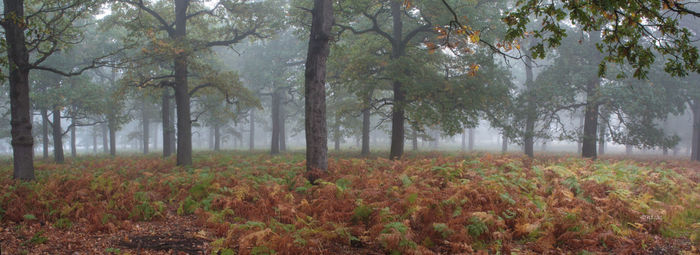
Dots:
(431, 203)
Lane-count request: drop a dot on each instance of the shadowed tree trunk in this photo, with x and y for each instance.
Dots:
(471, 139)
(275, 111)
(182, 97)
(315, 90)
(45, 132)
(94, 141)
(73, 149)
(217, 137)
(366, 125)
(145, 124)
(530, 114)
(397, 114)
(251, 140)
(283, 131)
(695, 149)
(112, 125)
(20, 108)
(414, 141)
(105, 138)
(57, 136)
(601, 138)
(336, 133)
(590, 125)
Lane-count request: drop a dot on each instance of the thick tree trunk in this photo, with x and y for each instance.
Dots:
(471, 139)
(217, 137)
(275, 111)
(366, 126)
(251, 139)
(530, 114)
(58, 156)
(315, 90)
(73, 138)
(45, 132)
(397, 114)
(590, 125)
(182, 96)
(578, 143)
(504, 144)
(20, 107)
(105, 138)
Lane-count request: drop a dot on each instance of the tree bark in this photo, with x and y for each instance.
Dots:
(58, 156)
(336, 132)
(182, 97)
(283, 130)
(397, 114)
(73, 149)
(217, 137)
(251, 139)
(530, 114)
(464, 140)
(45, 132)
(145, 124)
(695, 150)
(590, 125)
(601, 138)
(112, 125)
(105, 138)
(315, 90)
(414, 140)
(471, 139)
(94, 141)
(366, 125)
(275, 112)
(504, 144)
(20, 107)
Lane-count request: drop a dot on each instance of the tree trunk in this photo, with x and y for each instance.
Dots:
(20, 107)
(578, 143)
(471, 139)
(73, 149)
(504, 144)
(217, 137)
(105, 138)
(695, 149)
(628, 149)
(590, 125)
(283, 131)
(464, 140)
(182, 96)
(315, 90)
(336, 132)
(275, 111)
(57, 136)
(414, 142)
(45, 132)
(601, 138)
(366, 125)
(145, 124)
(112, 125)
(94, 140)
(530, 114)
(251, 140)
(397, 114)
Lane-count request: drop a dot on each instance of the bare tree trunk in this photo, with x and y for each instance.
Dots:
(57, 136)
(590, 125)
(336, 132)
(601, 138)
(578, 143)
(471, 139)
(73, 149)
(366, 125)
(94, 140)
(20, 107)
(251, 140)
(397, 114)
(414, 142)
(695, 150)
(464, 140)
(217, 137)
(315, 90)
(145, 124)
(105, 138)
(275, 111)
(283, 131)
(530, 114)
(504, 144)
(45, 132)
(112, 125)
(182, 96)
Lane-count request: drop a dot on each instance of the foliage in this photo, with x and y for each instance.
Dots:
(451, 204)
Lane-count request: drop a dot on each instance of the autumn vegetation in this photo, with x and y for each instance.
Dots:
(257, 204)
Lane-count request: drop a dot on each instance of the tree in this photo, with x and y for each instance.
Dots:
(315, 90)
(180, 46)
